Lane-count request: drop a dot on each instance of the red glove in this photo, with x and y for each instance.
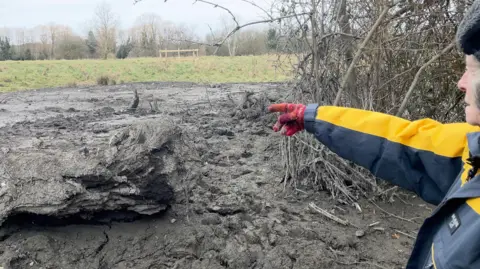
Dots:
(291, 120)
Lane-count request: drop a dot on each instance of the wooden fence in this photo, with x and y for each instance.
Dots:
(164, 53)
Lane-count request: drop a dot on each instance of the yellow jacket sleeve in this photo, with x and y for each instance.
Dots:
(423, 156)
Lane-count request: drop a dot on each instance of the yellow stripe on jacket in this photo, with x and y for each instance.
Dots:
(447, 140)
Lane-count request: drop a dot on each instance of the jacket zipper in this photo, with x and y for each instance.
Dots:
(433, 258)
(430, 263)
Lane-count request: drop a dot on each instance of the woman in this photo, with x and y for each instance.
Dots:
(437, 161)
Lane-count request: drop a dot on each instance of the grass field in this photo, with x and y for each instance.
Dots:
(208, 69)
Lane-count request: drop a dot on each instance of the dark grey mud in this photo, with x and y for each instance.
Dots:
(190, 179)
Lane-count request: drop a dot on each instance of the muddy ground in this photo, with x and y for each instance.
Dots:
(228, 210)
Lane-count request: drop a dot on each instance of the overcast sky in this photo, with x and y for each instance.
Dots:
(78, 13)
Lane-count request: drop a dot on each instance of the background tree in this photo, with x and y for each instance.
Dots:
(106, 23)
(44, 45)
(53, 35)
(91, 43)
(148, 34)
(5, 49)
(125, 49)
(272, 40)
(231, 42)
(28, 55)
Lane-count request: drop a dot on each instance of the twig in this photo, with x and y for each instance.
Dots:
(340, 159)
(363, 262)
(403, 201)
(387, 190)
(338, 33)
(224, 8)
(357, 206)
(357, 55)
(315, 48)
(302, 191)
(154, 106)
(396, 76)
(347, 193)
(208, 97)
(229, 96)
(257, 6)
(334, 252)
(417, 76)
(407, 235)
(390, 214)
(373, 224)
(135, 102)
(328, 215)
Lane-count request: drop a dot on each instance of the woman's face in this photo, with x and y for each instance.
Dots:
(470, 83)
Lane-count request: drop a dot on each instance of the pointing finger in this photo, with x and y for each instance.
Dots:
(278, 107)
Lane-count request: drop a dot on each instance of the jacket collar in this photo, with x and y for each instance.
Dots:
(474, 143)
(471, 188)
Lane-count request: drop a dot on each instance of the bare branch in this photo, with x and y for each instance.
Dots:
(217, 5)
(396, 76)
(359, 52)
(257, 6)
(327, 214)
(417, 76)
(218, 45)
(360, 262)
(391, 214)
(338, 33)
(407, 235)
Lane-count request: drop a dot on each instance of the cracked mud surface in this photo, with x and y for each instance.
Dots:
(228, 210)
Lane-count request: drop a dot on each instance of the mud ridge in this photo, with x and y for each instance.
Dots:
(29, 220)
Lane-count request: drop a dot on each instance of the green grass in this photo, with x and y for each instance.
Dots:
(208, 69)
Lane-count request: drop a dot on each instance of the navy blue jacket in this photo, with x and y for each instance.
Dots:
(432, 159)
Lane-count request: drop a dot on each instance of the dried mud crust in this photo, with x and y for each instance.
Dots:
(221, 161)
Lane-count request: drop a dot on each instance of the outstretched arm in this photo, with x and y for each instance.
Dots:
(423, 156)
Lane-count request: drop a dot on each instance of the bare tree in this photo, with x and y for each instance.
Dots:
(252, 42)
(53, 36)
(20, 41)
(44, 46)
(148, 34)
(227, 26)
(106, 23)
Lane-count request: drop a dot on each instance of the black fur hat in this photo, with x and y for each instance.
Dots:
(468, 32)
